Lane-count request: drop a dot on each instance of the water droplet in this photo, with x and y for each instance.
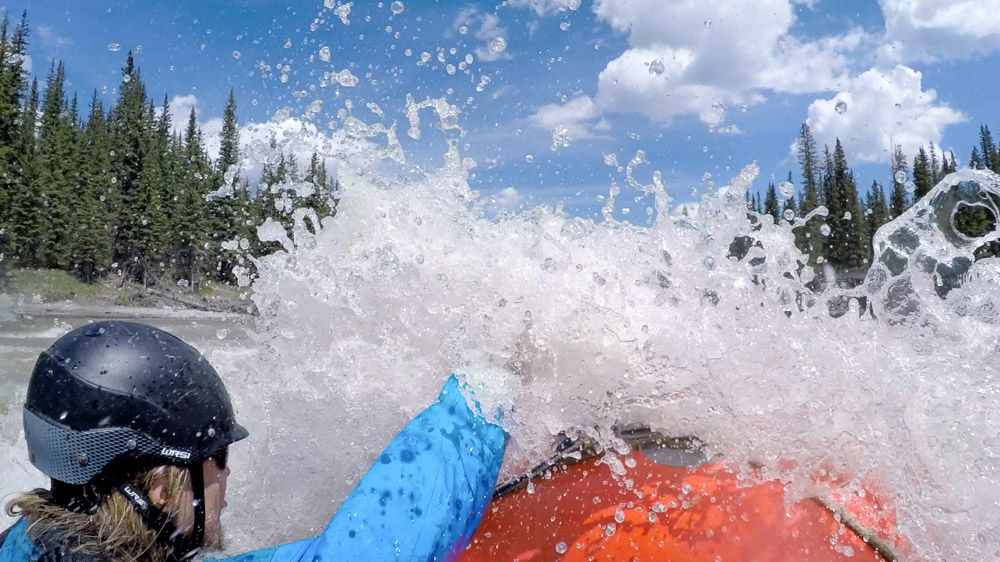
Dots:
(744, 108)
(658, 507)
(529, 158)
(840, 107)
(788, 214)
(787, 189)
(619, 516)
(610, 529)
(397, 8)
(498, 45)
(114, 47)
(560, 137)
(345, 78)
(610, 159)
(656, 67)
(910, 187)
(324, 53)
(824, 229)
(900, 176)
(564, 25)
(848, 216)
(236, 54)
(561, 548)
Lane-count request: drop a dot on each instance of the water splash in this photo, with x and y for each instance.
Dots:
(702, 324)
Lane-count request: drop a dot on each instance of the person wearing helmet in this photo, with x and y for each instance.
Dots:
(132, 426)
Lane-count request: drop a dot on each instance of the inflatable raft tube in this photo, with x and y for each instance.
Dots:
(671, 505)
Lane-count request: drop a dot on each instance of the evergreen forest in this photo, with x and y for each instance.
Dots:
(121, 191)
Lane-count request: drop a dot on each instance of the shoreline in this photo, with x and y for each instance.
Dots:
(70, 309)
(54, 293)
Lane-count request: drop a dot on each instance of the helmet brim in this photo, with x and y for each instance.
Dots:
(239, 433)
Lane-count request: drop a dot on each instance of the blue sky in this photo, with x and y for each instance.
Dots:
(738, 78)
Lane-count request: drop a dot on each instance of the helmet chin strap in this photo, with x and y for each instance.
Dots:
(178, 545)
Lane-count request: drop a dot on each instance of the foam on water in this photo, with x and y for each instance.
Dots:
(566, 324)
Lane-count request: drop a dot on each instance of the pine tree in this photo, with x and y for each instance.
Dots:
(154, 196)
(231, 216)
(856, 246)
(771, 203)
(921, 174)
(945, 166)
(55, 177)
(877, 211)
(130, 135)
(934, 169)
(898, 202)
(27, 211)
(808, 238)
(988, 148)
(12, 51)
(322, 198)
(91, 240)
(975, 160)
(832, 243)
(191, 222)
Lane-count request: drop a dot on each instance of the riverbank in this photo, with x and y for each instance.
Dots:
(52, 292)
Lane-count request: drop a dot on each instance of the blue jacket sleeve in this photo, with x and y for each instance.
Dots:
(421, 500)
(17, 546)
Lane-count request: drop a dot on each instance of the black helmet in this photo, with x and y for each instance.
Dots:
(111, 398)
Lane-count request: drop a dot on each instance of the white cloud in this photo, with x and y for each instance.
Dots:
(544, 7)
(929, 30)
(579, 116)
(714, 54)
(490, 30)
(883, 108)
(51, 38)
(180, 111)
(729, 130)
(508, 198)
(486, 28)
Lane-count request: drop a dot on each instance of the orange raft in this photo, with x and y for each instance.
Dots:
(675, 507)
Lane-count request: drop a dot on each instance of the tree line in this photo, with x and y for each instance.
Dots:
(843, 238)
(119, 192)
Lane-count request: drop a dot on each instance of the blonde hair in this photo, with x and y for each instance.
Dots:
(115, 531)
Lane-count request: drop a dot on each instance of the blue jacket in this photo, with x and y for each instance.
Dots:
(421, 500)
